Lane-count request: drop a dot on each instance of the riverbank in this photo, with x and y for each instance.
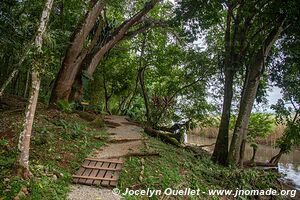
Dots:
(61, 141)
(270, 140)
(177, 168)
(289, 164)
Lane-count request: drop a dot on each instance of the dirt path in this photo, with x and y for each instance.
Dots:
(121, 129)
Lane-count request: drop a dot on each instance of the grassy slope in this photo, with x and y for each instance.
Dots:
(179, 169)
(59, 144)
(61, 141)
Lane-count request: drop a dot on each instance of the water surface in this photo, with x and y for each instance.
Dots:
(289, 164)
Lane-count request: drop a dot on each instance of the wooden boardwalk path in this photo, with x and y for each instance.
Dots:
(96, 171)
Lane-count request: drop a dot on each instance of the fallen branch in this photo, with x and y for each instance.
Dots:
(127, 140)
(198, 151)
(259, 164)
(164, 136)
(201, 146)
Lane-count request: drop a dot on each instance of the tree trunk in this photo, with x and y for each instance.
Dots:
(106, 95)
(141, 75)
(274, 160)
(122, 103)
(248, 97)
(145, 95)
(12, 75)
(93, 59)
(75, 54)
(24, 140)
(221, 148)
(253, 154)
(132, 96)
(27, 83)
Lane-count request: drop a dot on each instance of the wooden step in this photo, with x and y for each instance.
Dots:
(101, 168)
(96, 171)
(104, 160)
(95, 178)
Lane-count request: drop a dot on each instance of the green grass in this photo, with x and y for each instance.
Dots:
(59, 144)
(179, 169)
(61, 141)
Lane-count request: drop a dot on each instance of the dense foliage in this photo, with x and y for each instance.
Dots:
(170, 65)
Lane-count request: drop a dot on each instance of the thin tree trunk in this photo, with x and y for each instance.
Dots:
(276, 158)
(122, 103)
(24, 140)
(141, 75)
(107, 97)
(27, 83)
(248, 97)
(145, 95)
(15, 84)
(12, 75)
(253, 155)
(15, 72)
(133, 95)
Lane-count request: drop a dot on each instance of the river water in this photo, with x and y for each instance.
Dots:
(289, 164)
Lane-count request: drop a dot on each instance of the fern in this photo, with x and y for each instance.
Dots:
(65, 106)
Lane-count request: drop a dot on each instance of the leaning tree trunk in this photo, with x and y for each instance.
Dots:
(75, 54)
(274, 160)
(15, 72)
(12, 75)
(238, 142)
(93, 59)
(24, 140)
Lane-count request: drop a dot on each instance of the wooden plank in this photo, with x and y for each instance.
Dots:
(109, 174)
(86, 172)
(101, 173)
(116, 175)
(94, 178)
(101, 168)
(93, 173)
(105, 160)
(96, 172)
(80, 171)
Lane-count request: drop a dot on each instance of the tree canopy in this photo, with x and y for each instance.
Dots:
(159, 62)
